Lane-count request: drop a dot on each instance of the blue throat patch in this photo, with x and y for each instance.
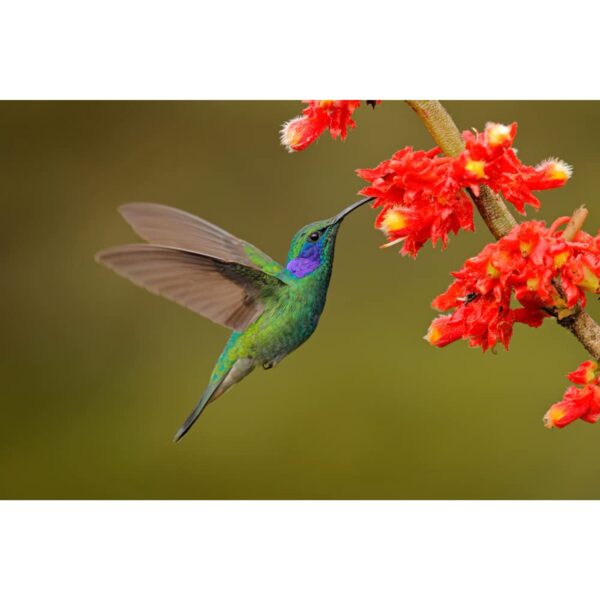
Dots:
(307, 261)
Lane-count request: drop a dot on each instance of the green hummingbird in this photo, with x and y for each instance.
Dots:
(271, 309)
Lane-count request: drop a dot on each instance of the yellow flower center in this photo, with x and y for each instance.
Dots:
(497, 134)
(590, 281)
(532, 284)
(492, 271)
(393, 220)
(433, 335)
(476, 167)
(555, 414)
(558, 170)
(561, 259)
(293, 133)
(590, 372)
(525, 248)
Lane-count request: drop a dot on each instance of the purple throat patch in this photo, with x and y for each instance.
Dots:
(300, 267)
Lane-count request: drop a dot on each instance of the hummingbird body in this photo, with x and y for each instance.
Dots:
(272, 309)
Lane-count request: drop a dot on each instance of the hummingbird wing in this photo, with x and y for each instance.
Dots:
(167, 226)
(229, 293)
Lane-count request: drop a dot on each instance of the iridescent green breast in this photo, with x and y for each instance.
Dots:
(288, 320)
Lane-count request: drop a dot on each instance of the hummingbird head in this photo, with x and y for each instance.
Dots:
(315, 243)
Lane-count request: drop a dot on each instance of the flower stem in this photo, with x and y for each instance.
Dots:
(440, 125)
(446, 135)
(495, 213)
(576, 223)
(586, 330)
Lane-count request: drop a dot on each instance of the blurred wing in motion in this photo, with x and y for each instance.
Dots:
(228, 293)
(166, 226)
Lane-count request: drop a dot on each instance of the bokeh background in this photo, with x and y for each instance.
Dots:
(97, 374)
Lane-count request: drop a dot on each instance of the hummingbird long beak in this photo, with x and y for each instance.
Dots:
(339, 217)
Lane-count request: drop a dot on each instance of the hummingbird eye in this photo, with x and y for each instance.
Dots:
(314, 236)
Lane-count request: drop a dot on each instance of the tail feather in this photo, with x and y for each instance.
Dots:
(209, 392)
(237, 370)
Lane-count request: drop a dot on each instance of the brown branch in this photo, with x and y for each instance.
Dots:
(586, 330)
(576, 223)
(496, 215)
(440, 125)
(446, 135)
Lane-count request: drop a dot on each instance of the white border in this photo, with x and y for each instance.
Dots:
(299, 550)
(466, 49)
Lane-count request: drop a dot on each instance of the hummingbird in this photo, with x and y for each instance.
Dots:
(272, 309)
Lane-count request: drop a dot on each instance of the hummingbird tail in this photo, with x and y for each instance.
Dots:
(217, 387)
(193, 417)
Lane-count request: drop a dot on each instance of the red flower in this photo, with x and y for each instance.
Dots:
(421, 196)
(585, 373)
(300, 132)
(489, 157)
(335, 115)
(528, 263)
(483, 322)
(578, 402)
(422, 193)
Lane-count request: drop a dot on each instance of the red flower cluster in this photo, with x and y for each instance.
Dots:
(422, 193)
(490, 157)
(335, 115)
(578, 402)
(530, 262)
(422, 198)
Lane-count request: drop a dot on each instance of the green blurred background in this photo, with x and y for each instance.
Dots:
(97, 374)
